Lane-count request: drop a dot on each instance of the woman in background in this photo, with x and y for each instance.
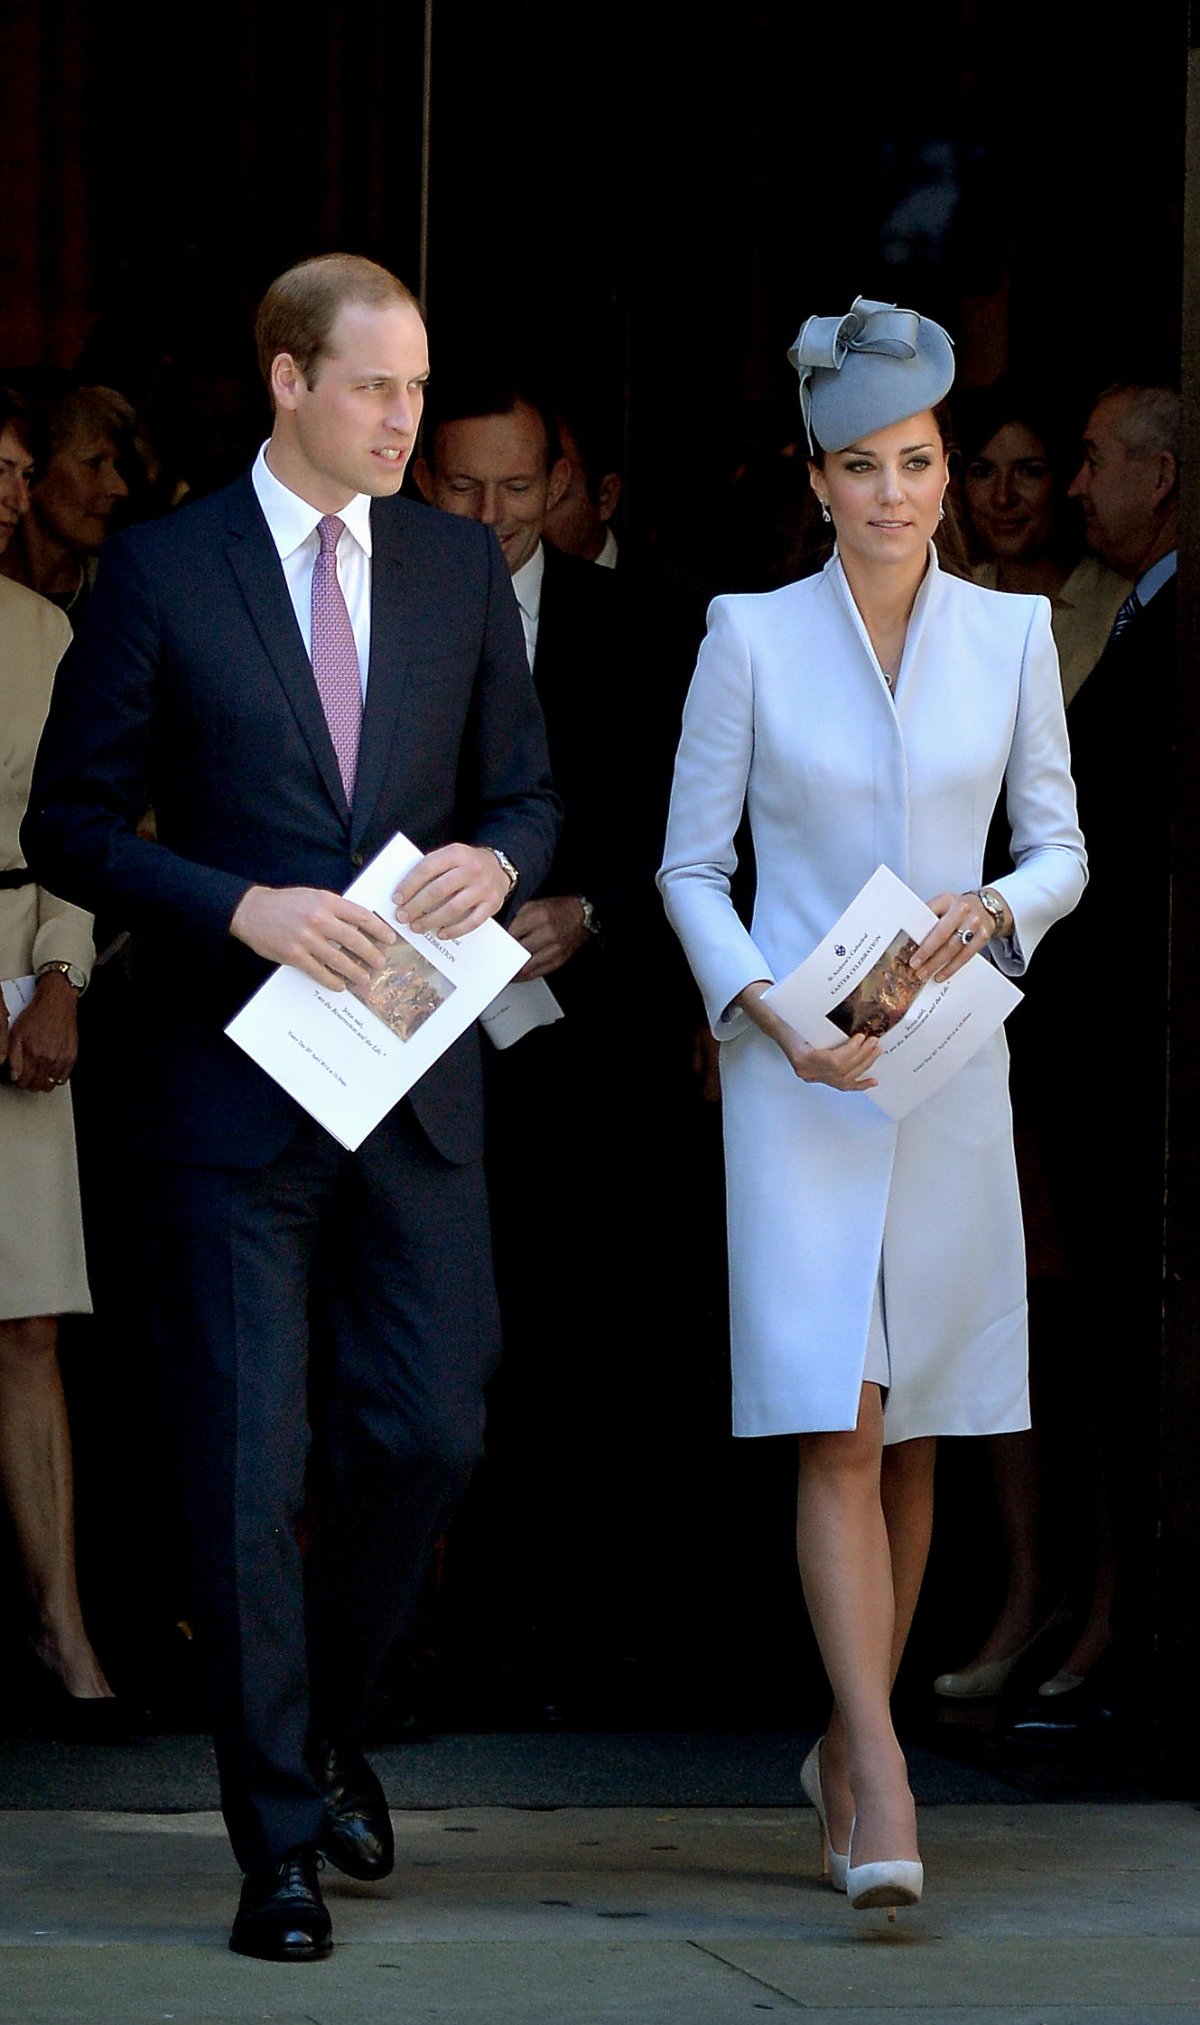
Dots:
(1024, 532)
(55, 551)
(45, 957)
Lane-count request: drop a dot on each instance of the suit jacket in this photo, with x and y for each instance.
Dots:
(189, 682)
(1119, 726)
(586, 670)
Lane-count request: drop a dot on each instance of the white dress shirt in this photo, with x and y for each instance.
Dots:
(293, 528)
(607, 558)
(527, 585)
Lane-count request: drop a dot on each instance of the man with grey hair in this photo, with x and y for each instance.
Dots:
(1128, 487)
(1099, 1122)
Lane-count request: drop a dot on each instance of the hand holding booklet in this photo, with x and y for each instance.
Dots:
(348, 1057)
(858, 981)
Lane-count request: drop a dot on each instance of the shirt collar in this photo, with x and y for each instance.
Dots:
(292, 521)
(527, 583)
(1156, 576)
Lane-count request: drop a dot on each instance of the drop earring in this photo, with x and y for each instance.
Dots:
(941, 513)
(826, 516)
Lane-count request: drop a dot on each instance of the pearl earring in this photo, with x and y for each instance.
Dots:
(941, 513)
(826, 516)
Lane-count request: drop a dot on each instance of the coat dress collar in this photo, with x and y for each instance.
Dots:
(927, 596)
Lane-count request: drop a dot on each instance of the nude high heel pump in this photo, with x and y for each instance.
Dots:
(833, 1865)
(895, 1882)
(989, 1677)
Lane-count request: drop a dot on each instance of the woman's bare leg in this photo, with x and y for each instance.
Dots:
(861, 1613)
(906, 1500)
(37, 1486)
(906, 1493)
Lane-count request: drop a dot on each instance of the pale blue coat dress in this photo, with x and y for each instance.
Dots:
(859, 1246)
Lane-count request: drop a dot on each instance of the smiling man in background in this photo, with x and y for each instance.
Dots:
(570, 1104)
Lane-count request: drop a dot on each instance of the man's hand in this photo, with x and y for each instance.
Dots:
(452, 891)
(326, 937)
(44, 1038)
(551, 930)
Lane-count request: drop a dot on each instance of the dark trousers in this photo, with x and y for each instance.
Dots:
(351, 1293)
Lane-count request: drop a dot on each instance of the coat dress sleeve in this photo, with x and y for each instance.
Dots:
(707, 799)
(1050, 869)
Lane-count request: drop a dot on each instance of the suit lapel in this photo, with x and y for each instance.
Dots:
(392, 624)
(257, 568)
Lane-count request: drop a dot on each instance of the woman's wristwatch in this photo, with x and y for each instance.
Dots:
(994, 905)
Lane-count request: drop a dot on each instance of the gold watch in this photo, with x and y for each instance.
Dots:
(995, 906)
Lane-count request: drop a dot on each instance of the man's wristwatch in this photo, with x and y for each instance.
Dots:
(506, 866)
(995, 906)
(591, 919)
(70, 971)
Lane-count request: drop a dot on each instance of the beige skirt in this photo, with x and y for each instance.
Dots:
(42, 1268)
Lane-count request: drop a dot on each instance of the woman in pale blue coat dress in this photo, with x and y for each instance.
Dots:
(872, 714)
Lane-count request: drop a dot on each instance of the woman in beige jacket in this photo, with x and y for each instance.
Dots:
(45, 957)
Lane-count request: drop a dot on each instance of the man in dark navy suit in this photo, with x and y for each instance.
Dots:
(291, 671)
(1100, 1123)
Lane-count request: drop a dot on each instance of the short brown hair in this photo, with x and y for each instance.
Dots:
(299, 310)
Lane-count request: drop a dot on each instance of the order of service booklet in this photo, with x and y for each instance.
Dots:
(348, 1057)
(858, 981)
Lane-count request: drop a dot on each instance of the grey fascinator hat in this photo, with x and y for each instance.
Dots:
(864, 371)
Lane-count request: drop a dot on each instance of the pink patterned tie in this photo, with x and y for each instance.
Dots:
(335, 656)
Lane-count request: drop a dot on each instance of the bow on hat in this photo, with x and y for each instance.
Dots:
(868, 327)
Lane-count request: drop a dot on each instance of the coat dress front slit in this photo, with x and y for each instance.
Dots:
(859, 1245)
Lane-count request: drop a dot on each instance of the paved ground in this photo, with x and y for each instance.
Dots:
(618, 1916)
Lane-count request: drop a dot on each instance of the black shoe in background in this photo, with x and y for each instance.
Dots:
(356, 1834)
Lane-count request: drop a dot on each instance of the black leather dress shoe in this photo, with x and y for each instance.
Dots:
(281, 1915)
(356, 1833)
